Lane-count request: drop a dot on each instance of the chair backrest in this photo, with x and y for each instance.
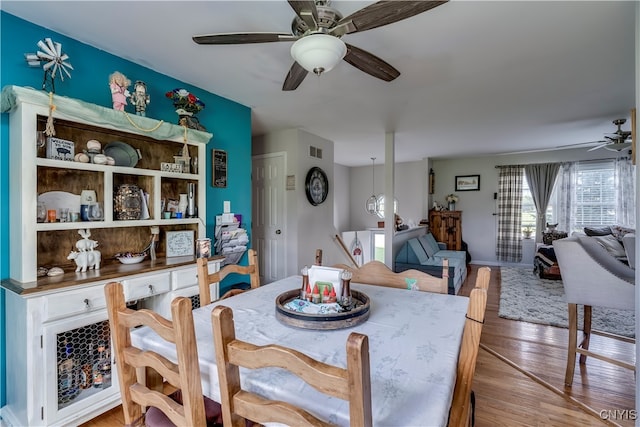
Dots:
(205, 279)
(461, 402)
(184, 375)
(483, 277)
(377, 273)
(586, 267)
(352, 384)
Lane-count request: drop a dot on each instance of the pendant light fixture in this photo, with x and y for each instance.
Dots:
(372, 202)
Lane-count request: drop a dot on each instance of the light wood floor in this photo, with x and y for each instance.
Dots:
(519, 377)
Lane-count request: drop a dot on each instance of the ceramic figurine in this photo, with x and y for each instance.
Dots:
(140, 97)
(119, 85)
(87, 257)
(86, 260)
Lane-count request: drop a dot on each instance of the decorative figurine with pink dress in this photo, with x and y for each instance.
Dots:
(119, 84)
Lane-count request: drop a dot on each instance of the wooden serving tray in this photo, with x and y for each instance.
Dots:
(322, 321)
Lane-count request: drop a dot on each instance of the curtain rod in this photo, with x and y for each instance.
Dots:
(550, 163)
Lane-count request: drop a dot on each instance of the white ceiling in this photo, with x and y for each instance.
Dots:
(478, 77)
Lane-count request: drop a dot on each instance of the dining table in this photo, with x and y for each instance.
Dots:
(414, 342)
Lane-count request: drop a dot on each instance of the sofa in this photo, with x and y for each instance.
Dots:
(425, 254)
(619, 241)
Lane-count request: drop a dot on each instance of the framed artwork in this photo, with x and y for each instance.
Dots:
(180, 243)
(219, 168)
(468, 183)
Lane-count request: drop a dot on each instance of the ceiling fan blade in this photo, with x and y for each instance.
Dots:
(599, 146)
(307, 11)
(382, 13)
(295, 76)
(243, 38)
(370, 64)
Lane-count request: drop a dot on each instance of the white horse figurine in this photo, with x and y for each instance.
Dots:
(85, 260)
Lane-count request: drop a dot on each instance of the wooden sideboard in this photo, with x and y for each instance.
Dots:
(446, 227)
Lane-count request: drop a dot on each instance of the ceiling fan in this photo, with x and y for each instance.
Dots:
(617, 141)
(316, 31)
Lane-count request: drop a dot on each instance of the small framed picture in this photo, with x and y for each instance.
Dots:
(182, 163)
(219, 171)
(180, 243)
(468, 183)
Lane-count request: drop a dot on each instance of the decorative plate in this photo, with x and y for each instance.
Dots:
(60, 199)
(122, 153)
(316, 186)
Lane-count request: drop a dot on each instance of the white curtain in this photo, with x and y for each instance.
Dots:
(566, 194)
(625, 176)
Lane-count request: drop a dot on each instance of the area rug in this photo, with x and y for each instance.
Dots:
(526, 297)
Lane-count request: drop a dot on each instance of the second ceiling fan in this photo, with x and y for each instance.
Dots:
(317, 30)
(617, 141)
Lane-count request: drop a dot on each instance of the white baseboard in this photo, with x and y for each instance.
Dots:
(501, 264)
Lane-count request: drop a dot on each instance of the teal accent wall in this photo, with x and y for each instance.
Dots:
(228, 121)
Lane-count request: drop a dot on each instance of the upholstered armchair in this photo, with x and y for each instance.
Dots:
(592, 277)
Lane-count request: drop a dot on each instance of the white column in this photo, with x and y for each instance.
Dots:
(389, 196)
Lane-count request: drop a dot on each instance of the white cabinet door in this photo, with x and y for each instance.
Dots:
(69, 397)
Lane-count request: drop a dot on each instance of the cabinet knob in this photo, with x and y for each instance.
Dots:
(87, 304)
(150, 289)
(278, 232)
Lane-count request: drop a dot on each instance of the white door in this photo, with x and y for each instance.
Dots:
(269, 234)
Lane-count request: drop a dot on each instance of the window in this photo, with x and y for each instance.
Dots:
(381, 206)
(595, 194)
(528, 220)
(592, 201)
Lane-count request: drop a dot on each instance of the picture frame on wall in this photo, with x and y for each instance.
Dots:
(219, 169)
(468, 183)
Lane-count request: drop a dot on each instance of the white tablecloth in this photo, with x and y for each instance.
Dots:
(414, 340)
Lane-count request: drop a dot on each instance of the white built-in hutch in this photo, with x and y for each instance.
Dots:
(56, 327)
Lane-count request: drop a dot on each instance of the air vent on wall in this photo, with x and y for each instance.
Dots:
(315, 152)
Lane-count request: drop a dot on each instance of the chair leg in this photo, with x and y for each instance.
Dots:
(473, 409)
(587, 333)
(571, 348)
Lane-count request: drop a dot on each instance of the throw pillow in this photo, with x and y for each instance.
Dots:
(597, 231)
(619, 231)
(612, 245)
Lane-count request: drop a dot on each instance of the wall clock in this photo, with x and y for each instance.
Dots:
(316, 186)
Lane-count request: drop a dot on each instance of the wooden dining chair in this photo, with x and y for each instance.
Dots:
(377, 273)
(187, 405)
(463, 402)
(205, 279)
(352, 384)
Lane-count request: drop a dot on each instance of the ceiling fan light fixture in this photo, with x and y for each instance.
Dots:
(318, 53)
(618, 146)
